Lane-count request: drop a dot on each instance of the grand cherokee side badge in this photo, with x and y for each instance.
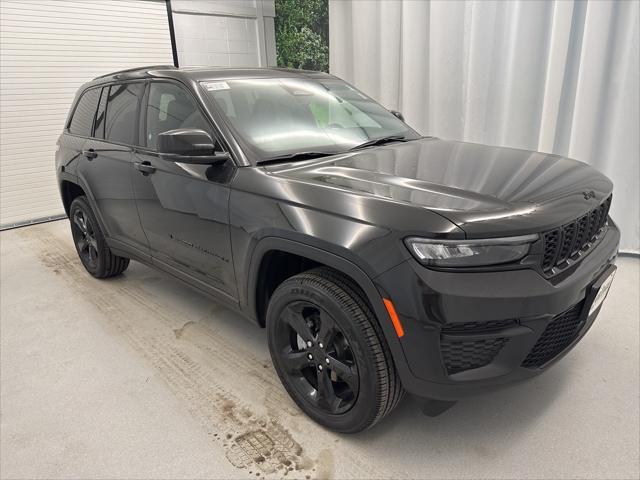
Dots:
(589, 194)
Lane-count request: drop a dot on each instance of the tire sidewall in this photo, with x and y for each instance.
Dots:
(365, 408)
(81, 203)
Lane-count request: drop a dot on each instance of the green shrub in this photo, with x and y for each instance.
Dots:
(302, 34)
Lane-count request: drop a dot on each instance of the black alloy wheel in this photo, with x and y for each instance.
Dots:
(90, 243)
(329, 351)
(84, 235)
(317, 357)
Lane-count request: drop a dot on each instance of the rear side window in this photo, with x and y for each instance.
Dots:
(170, 107)
(122, 107)
(82, 120)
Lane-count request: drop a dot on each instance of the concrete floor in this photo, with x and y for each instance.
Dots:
(141, 377)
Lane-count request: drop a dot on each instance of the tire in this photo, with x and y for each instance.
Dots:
(347, 382)
(90, 243)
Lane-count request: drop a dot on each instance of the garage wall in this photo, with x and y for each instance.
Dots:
(224, 33)
(48, 48)
(559, 77)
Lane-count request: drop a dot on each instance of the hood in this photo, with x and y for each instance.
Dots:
(484, 190)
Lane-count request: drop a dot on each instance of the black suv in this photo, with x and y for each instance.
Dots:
(378, 260)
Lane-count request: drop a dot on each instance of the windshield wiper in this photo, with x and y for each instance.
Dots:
(380, 141)
(294, 157)
(317, 154)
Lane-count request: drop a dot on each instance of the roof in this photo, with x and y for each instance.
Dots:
(208, 73)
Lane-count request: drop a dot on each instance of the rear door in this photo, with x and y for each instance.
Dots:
(107, 164)
(78, 131)
(184, 209)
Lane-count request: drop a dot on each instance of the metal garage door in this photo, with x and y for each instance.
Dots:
(48, 48)
(225, 33)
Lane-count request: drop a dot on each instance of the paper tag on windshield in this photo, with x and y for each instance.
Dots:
(216, 86)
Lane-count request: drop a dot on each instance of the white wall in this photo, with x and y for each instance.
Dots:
(559, 77)
(224, 33)
(49, 48)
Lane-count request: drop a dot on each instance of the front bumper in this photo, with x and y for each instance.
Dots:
(467, 333)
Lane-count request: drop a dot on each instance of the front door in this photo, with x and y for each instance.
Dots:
(184, 209)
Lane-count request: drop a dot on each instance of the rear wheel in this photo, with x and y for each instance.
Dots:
(329, 352)
(90, 243)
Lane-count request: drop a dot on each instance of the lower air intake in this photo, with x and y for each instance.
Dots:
(469, 354)
(559, 334)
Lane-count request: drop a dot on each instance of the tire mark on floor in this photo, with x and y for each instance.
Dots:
(251, 433)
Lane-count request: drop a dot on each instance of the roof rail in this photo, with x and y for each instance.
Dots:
(135, 69)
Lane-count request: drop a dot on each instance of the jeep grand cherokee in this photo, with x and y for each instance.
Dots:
(379, 261)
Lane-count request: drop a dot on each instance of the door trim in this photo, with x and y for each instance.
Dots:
(123, 249)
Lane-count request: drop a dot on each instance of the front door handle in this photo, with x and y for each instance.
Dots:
(90, 154)
(145, 167)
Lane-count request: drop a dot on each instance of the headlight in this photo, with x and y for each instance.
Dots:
(470, 253)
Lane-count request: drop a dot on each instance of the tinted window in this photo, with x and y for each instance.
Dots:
(171, 107)
(82, 119)
(98, 130)
(122, 106)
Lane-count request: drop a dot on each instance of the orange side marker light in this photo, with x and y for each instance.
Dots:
(394, 317)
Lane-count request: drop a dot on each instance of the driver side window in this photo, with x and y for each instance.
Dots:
(170, 107)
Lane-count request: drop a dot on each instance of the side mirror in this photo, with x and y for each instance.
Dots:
(189, 145)
(397, 114)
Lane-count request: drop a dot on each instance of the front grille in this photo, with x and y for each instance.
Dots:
(460, 355)
(567, 241)
(561, 331)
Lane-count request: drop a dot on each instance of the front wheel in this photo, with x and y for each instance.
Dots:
(329, 352)
(90, 243)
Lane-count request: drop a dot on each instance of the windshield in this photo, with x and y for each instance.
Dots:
(284, 116)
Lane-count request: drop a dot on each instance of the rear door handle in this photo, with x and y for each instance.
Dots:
(90, 154)
(145, 167)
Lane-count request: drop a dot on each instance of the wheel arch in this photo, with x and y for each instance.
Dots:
(318, 257)
(70, 188)
(69, 191)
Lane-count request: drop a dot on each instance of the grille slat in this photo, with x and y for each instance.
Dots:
(565, 242)
(568, 238)
(581, 235)
(594, 219)
(551, 243)
(561, 331)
